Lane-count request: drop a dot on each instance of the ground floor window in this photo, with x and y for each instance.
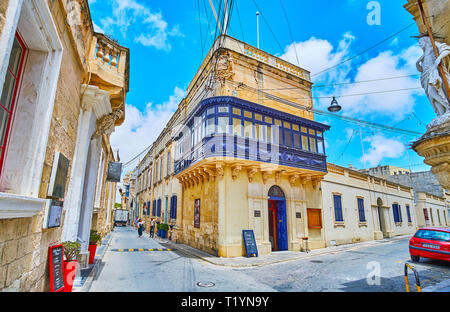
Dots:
(9, 92)
(173, 207)
(362, 215)
(338, 216)
(397, 212)
(408, 212)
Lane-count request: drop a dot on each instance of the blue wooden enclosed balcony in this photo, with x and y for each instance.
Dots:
(235, 128)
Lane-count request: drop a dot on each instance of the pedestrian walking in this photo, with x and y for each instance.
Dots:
(152, 228)
(136, 222)
(140, 225)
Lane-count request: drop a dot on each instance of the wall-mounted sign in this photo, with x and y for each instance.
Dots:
(257, 213)
(58, 177)
(54, 213)
(197, 213)
(114, 172)
(250, 243)
(298, 215)
(55, 254)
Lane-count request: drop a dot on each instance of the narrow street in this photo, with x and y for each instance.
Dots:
(172, 271)
(161, 271)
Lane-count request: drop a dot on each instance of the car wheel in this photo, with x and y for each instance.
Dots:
(415, 258)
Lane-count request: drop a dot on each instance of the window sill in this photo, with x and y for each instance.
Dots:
(339, 224)
(361, 224)
(17, 206)
(410, 224)
(398, 223)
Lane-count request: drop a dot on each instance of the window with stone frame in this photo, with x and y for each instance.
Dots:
(9, 93)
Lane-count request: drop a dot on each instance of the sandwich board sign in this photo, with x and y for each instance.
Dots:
(250, 243)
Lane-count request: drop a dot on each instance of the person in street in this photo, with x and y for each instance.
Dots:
(152, 228)
(140, 226)
(136, 222)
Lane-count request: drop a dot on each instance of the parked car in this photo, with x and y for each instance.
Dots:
(430, 242)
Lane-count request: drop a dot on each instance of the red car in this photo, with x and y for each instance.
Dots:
(430, 242)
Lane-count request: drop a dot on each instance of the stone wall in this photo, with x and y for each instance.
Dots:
(3, 8)
(205, 237)
(23, 242)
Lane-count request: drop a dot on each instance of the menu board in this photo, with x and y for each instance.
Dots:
(56, 268)
(250, 243)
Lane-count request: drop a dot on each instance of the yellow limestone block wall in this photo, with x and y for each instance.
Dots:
(205, 237)
(238, 200)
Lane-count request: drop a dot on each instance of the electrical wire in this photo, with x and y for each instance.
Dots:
(325, 113)
(268, 26)
(240, 23)
(290, 32)
(365, 51)
(344, 83)
(201, 34)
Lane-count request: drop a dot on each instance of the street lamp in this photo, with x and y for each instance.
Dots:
(334, 106)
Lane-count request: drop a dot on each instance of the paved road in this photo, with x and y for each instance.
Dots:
(166, 271)
(375, 268)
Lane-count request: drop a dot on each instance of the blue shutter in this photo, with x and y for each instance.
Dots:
(174, 207)
(171, 208)
(362, 215)
(338, 208)
(158, 212)
(148, 208)
(154, 208)
(399, 208)
(395, 211)
(408, 213)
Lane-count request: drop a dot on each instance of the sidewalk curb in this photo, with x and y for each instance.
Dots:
(317, 252)
(88, 283)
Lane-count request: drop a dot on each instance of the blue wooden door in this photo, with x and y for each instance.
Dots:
(282, 226)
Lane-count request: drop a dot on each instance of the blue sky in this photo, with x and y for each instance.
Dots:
(168, 40)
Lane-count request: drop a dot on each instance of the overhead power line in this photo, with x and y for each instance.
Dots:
(290, 32)
(366, 50)
(270, 28)
(326, 113)
(343, 83)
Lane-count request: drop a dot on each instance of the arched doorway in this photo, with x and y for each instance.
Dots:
(277, 219)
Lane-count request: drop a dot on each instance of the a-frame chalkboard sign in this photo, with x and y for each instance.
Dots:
(250, 243)
(55, 259)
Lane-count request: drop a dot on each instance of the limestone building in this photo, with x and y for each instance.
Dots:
(63, 90)
(236, 157)
(361, 207)
(430, 198)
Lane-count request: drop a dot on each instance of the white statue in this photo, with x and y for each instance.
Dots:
(430, 79)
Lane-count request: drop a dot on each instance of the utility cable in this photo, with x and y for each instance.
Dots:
(268, 26)
(290, 32)
(344, 83)
(365, 51)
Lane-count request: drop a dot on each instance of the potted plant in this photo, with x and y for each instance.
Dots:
(162, 229)
(94, 238)
(71, 252)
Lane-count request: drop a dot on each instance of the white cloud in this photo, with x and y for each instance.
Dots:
(141, 129)
(98, 29)
(380, 148)
(317, 55)
(152, 29)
